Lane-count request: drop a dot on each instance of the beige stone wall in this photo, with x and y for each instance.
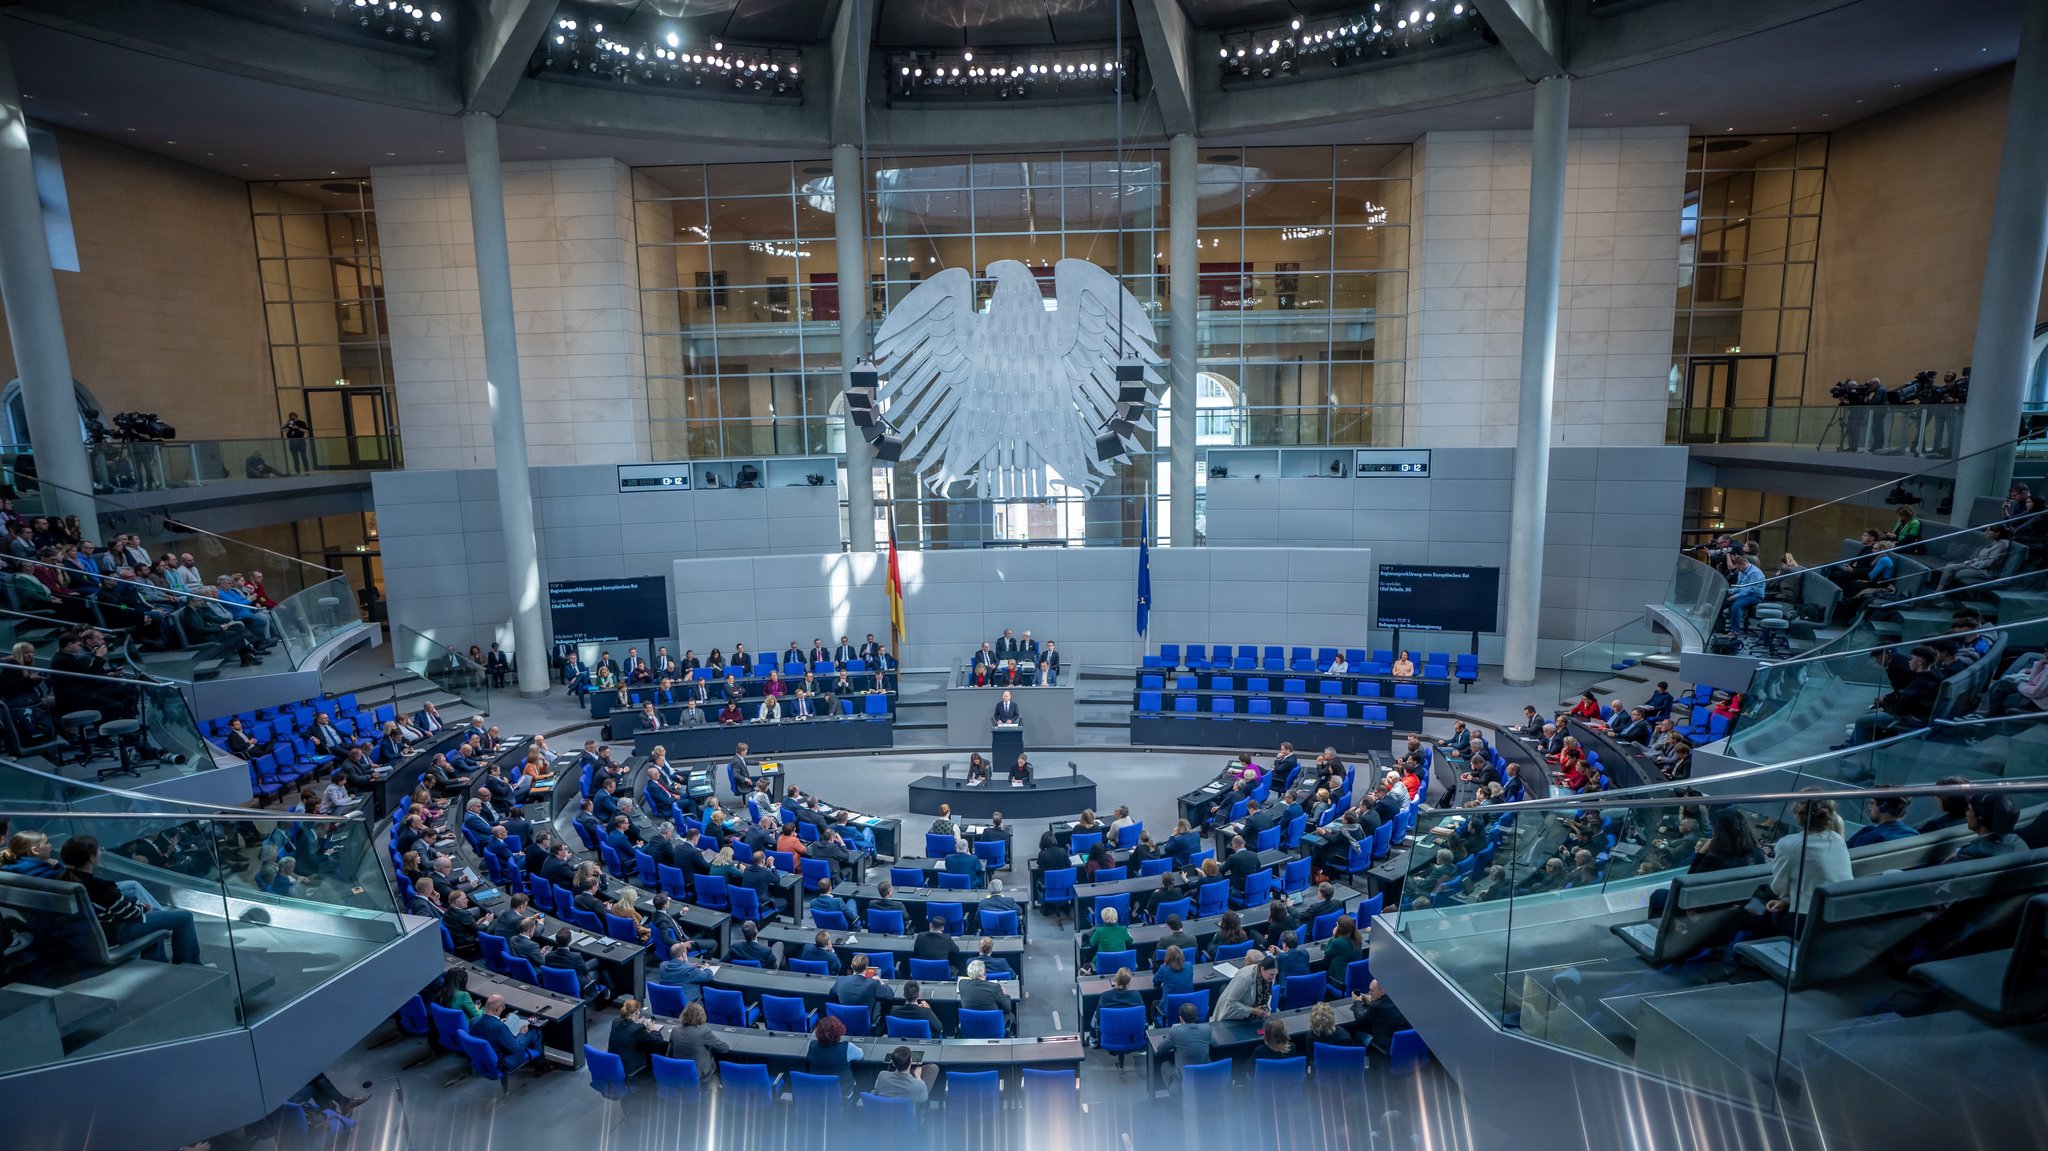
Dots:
(1468, 260)
(165, 313)
(1904, 229)
(575, 295)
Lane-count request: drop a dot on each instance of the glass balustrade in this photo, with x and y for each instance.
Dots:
(245, 912)
(1914, 430)
(1693, 595)
(449, 669)
(1663, 932)
(89, 726)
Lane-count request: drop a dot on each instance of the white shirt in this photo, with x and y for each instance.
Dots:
(1826, 859)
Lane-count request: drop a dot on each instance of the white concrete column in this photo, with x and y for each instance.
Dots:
(849, 233)
(1184, 298)
(34, 323)
(2012, 278)
(508, 412)
(1539, 376)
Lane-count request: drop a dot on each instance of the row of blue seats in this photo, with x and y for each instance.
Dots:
(1152, 702)
(1275, 657)
(1188, 681)
(762, 669)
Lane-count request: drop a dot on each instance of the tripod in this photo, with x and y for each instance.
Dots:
(1837, 419)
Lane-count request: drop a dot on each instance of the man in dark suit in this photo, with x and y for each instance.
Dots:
(560, 869)
(821, 656)
(996, 900)
(1049, 665)
(1027, 648)
(861, 987)
(737, 772)
(475, 821)
(1006, 710)
(934, 943)
(604, 802)
(985, 657)
(514, 1050)
(566, 957)
(327, 738)
(844, 653)
(761, 879)
(539, 850)
(1241, 865)
(833, 849)
(1006, 645)
(1325, 902)
(526, 944)
(749, 946)
(978, 994)
(871, 651)
(1259, 819)
(913, 1005)
(741, 662)
(499, 665)
(819, 950)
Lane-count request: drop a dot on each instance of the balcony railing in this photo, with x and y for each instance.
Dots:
(1927, 431)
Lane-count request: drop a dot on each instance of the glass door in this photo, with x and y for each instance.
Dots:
(1728, 398)
(351, 427)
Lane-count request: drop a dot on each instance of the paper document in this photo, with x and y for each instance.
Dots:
(1226, 970)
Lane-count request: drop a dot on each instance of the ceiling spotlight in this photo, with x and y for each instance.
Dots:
(674, 40)
(969, 56)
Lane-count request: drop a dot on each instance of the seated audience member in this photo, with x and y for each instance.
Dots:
(514, 1048)
(831, 1053)
(1404, 667)
(1886, 820)
(1187, 1042)
(632, 1040)
(906, 1078)
(1993, 817)
(1120, 994)
(695, 1040)
(978, 994)
(1910, 704)
(125, 908)
(1983, 564)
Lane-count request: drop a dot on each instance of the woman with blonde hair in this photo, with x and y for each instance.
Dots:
(626, 907)
(28, 853)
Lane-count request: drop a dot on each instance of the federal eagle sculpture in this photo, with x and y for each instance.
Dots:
(996, 398)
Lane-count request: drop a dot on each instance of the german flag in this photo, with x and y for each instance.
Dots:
(895, 588)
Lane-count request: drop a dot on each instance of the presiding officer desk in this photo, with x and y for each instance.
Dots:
(713, 740)
(815, 990)
(793, 937)
(559, 1017)
(786, 1051)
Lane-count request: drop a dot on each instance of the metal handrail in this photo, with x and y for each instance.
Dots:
(1662, 794)
(190, 807)
(1922, 541)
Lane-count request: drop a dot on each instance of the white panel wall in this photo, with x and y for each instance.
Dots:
(1085, 599)
(575, 295)
(444, 558)
(1624, 191)
(1610, 538)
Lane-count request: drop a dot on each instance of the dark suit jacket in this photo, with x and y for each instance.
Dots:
(981, 995)
(1006, 712)
(493, 1031)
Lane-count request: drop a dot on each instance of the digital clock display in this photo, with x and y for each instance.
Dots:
(646, 477)
(1400, 462)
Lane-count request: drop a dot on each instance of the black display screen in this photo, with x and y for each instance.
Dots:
(609, 610)
(1421, 598)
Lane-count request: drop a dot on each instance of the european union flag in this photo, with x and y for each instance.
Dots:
(1144, 571)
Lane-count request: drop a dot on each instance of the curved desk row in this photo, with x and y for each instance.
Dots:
(1198, 729)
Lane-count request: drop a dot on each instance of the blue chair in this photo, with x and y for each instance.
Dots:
(1258, 707)
(998, 922)
(878, 706)
(607, 1073)
(561, 981)
(1267, 840)
(1120, 903)
(1467, 670)
(587, 920)
(784, 861)
(1297, 708)
(856, 1017)
(1185, 703)
(1370, 689)
(746, 904)
(621, 928)
(748, 1083)
(1297, 874)
(907, 876)
(674, 1076)
(711, 892)
(954, 915)
(483, 1058)
(896, 1027)
(1058, 896)
(1127, 836)
(1338, 1066)
(613, 865)
(981, 1025)
(1290, 835)
(1280, 1074)
(1374, 712)
(1223, 705)
(1226, 951)
(973, 1093)
(830, 920)
(938, 846)
(1121, 1031)
(885, 920)
(783, 1013)
(1370, 908)
(1169, 1008)
(521, 970)
(994, 854)
(413, 1018)
(1205, 1084)
(495, 950)
(1151, 701)
(1330, 687)
(1406, 1053)
(1212, 898)
(955, 881)
(1302, 991)
(1325, 925)
(931, 970)
(649, 871)
(893, 1119)
(1184, 908)
(816, 1091)
(1152, 867)
(1358, 977)
(1084, 842)
(449, 1026)
(1408, 691)
(1335, 711)
(666, 1000)
(809, 966)
(1048, 1089)
(1109, 873)
(1184, 683)
(883, 962)
(728, 1008)
(1108, 962)
(1258, 888)
(1197, 657)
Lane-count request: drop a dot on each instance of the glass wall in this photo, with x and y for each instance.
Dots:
(1302, 255)
(1748, 238)
(323, 299)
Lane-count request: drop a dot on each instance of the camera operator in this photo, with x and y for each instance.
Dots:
(1848, 396)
